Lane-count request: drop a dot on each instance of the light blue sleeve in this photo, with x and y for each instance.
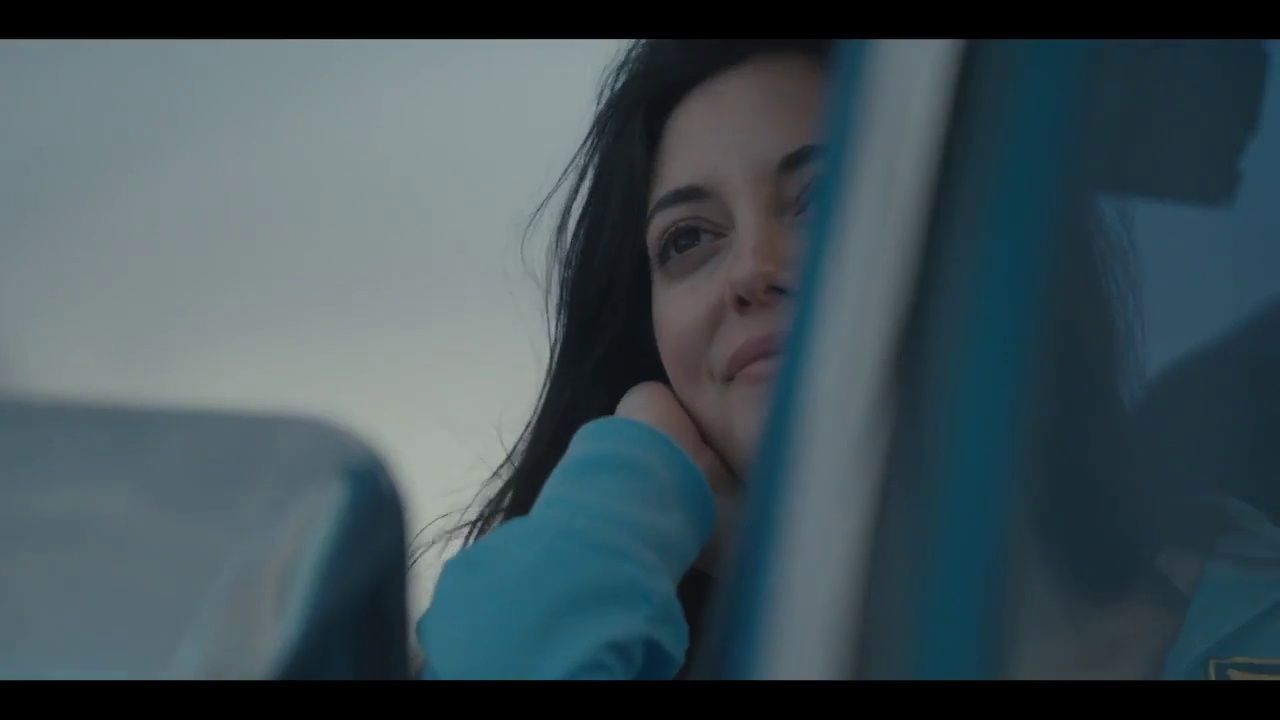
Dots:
(584, 586)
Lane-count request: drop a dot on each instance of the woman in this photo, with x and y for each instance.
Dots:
(676, 253)
(674, 290)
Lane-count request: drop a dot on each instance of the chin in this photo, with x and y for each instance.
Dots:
(746, 427)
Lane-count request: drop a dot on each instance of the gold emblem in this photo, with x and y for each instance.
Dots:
(1244, 668)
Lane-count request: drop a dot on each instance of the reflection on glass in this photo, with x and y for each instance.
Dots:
(1134, 415)
(1146, 546)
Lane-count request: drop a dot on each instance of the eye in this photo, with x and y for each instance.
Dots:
(682, 239)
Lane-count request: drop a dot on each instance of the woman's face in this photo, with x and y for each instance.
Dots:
(732, 180)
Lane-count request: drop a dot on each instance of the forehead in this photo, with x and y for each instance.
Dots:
(740, 122)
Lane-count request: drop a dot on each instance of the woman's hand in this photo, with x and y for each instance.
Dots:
(654, 404)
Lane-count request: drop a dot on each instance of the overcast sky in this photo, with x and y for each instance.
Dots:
(323, 227)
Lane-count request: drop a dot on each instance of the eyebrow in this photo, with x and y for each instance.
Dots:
(798, 158)
(679, 196)
(789, 164)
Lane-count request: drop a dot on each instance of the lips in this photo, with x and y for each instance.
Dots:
(753, 351)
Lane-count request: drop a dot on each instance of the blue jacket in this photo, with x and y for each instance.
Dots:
(1232, 627)
(584, 586)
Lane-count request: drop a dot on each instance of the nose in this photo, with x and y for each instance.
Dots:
(761, 274)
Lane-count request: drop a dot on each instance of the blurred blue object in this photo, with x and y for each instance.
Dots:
(964, 380)
(162, 544)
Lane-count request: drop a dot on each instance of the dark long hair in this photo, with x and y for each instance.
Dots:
(1089, 365)
(599, 315)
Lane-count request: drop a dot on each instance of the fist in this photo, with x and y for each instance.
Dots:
(656, 405)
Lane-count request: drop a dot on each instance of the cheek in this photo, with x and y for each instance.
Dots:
(682, 329)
